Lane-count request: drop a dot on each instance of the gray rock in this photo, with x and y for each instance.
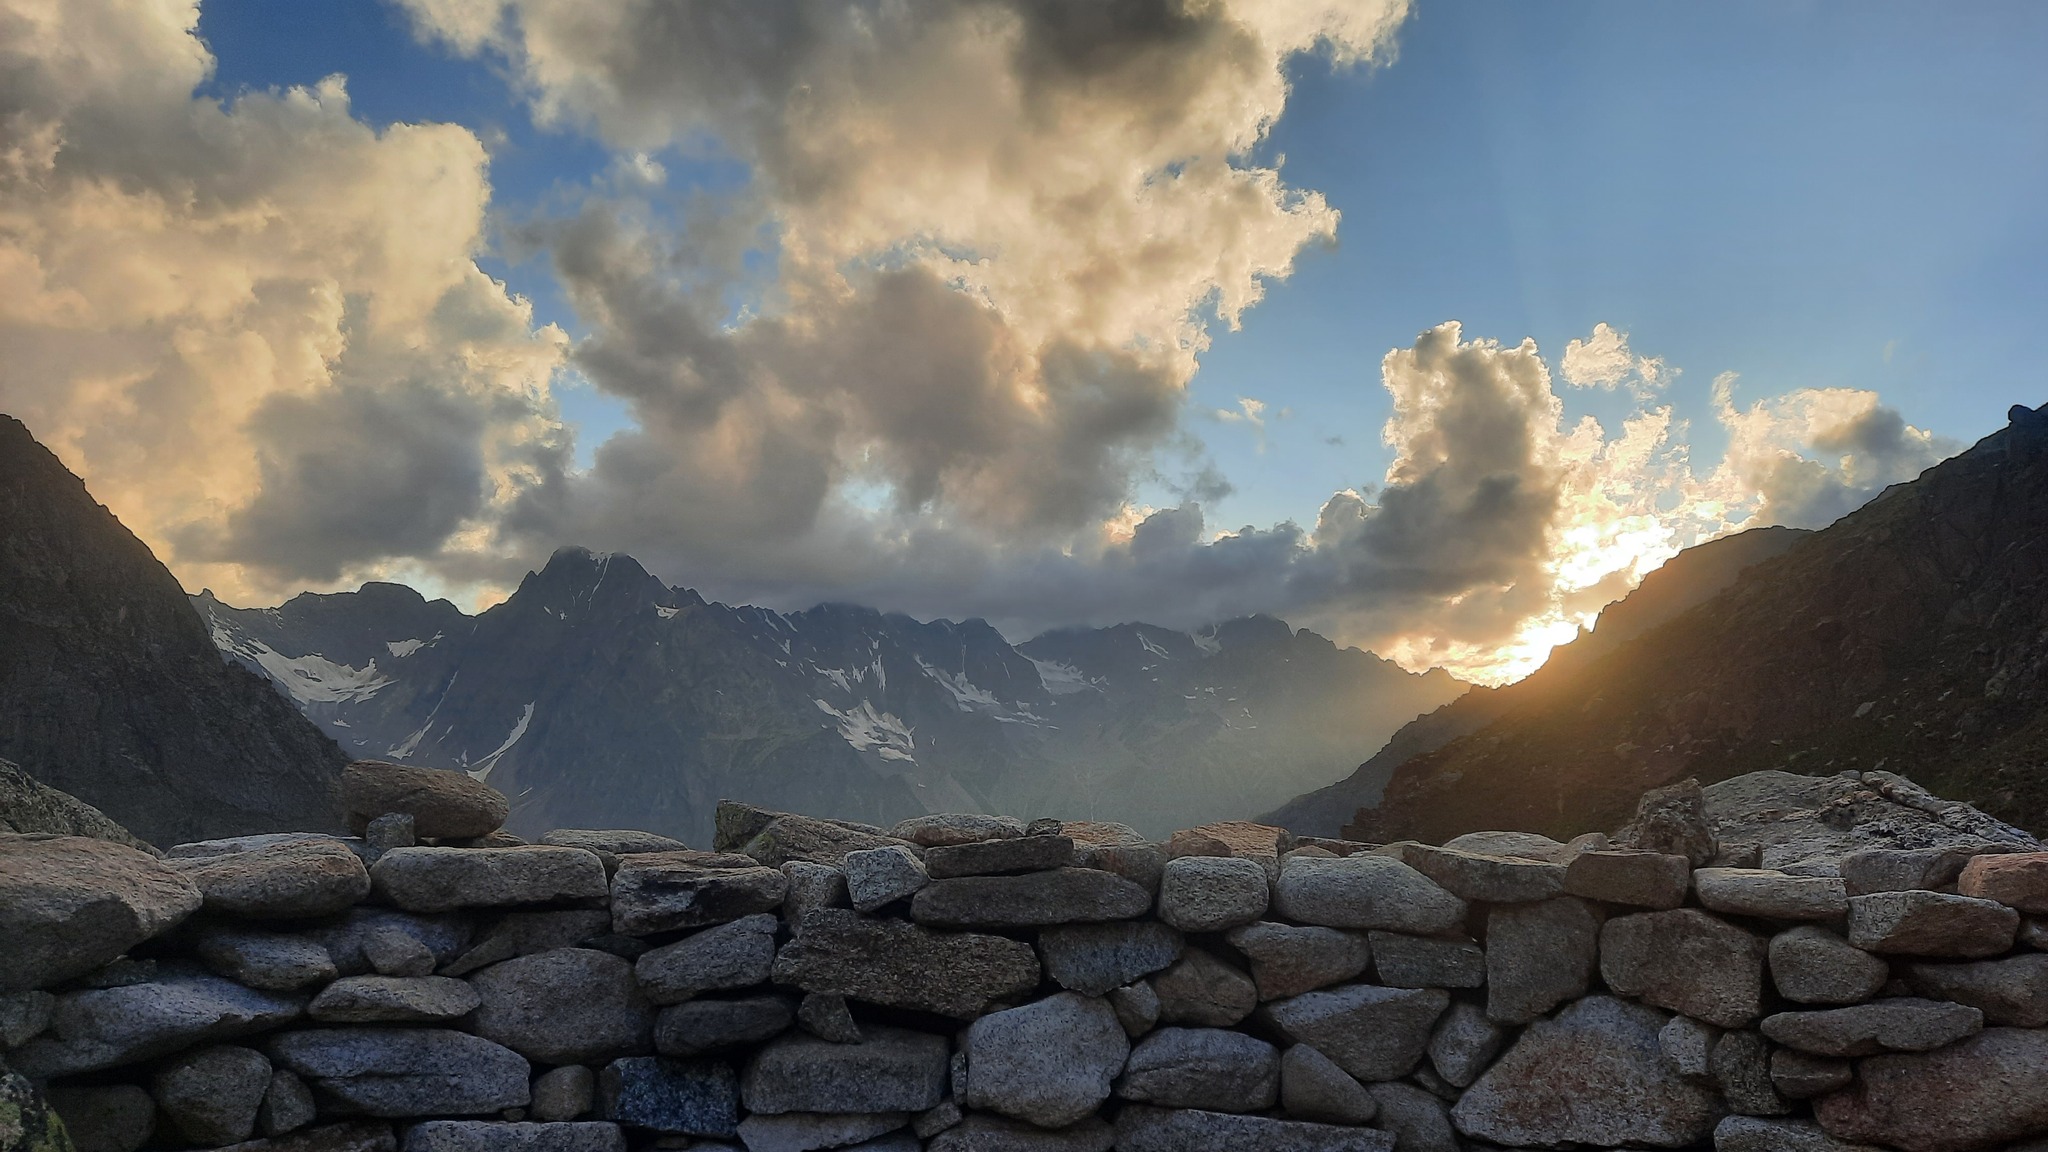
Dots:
(1312, 1087)
(612, 844)
(1223, 1070)
(776, 838)
(443, 803)
(685, 1097)
(1749, 1134)
(1419, 1121)
(108, 1027)
(392, 1000)
(445, 936)
(1978, 1093)
(812, 886)
(1538, 956)
(353, 1136)
(932, 1121)
(736, 955)
(443, 879)
(103, 1118)
(212, 1094)
(526, 933)
(1487, 878)
(879, 876)
(1426, 962)
(1687, 961)
(902, 965)
(275, 961)
(1801, 1075)
(392, 951)
(1463, 1043)
(1288, 960)
(406, 1071)
(1593, 1074)
(69, 904)
(947, 828)
(1141, 1128)
(1040, 853)
(1117, 848)
(294, 880)
(825, 1015)
(2013, 991)
(120, 972)
(1061, 896)
(564, 1093)
(287, 1104)
(1095, 958)
(1371, 1032)
(1200, 989)
(893, 1070)
(1136, 1007)
(1811, 965)
(984, 1133)
(498, 1136)
(1654, 880)
(1905, 869)
(1789, 819)
(1673, 820)
(808, 1131)
(1740, 1065)
(391, 830)
(1365, 892)
(1049, 1062)
(1931, 924)
(24, 1015)
(1770, 894)
(700, 1026)
(1902, 1024)
(1689, 1046)
(567, 1006)
(1521, 845)
(665, 891)
(1212, 893)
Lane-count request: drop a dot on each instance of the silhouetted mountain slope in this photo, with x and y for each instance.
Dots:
(1911, 635)
(596, 696)
(1690, 578)
(110, 687)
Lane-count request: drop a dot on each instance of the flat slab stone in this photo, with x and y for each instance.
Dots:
(700, 1026)
(1222, 1070)
(1900, 1024)
(1402, 961)
(1802, 1075)
(893, 1070)
(443, 803)
(2012, 992)
(612, 845)
(1049, 1062)
(947, 828)
(785, 836)
(1811, 965)
(736, 955)
(497, 1136)
(1687, 961)
(1642, 879)
(1931, 924)
(298, 879)
(899, 965)
(1592, 1074)
(396, 1072)
(275, 961)
(564, 1006)
(1373, 1033)
(984, 1133)
(1313, 1088)
(1905, 869)
(69, 904)
(1483, 877)
(682, 1097)
(1245, 839)
(992, 857)
(1365, 892)
(666, 891)
(1978, 1093)
(445, 879)
(1094, 958)
(1289, 959)
(1770, 894)
(2016, 880)
(109, 1027)
(1203, 990)
(1061, 896)
(346, 938)
(392, 1000)
(1538, 956)
(879, 876)
(1141, 1128)
(1117, 848)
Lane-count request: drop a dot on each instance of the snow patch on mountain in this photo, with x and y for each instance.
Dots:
(309, 679)
(482, 771)
(869, 730)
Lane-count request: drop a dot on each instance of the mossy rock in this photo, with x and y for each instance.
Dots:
(26, 1122)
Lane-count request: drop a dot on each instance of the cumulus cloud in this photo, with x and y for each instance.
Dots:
(256, 327)
(1603, 360)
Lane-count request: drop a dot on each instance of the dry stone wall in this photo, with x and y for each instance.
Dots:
(974, 984)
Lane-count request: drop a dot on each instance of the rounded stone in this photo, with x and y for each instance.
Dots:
(1212, 893)
(212, 1095)
(1050, 1062)
(70, 904)
(443, 803)
(565, 1006)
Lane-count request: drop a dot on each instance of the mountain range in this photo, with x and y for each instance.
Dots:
(598, 696)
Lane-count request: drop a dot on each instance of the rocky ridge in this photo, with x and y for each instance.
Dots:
(968, 983)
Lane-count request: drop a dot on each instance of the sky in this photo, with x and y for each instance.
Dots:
(1431, 326)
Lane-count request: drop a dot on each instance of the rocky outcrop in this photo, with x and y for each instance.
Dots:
(519, 998)
(30, 807)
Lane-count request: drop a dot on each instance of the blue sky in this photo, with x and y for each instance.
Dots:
(1807, 194)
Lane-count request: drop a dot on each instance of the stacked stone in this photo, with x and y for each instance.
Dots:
(968, 983)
